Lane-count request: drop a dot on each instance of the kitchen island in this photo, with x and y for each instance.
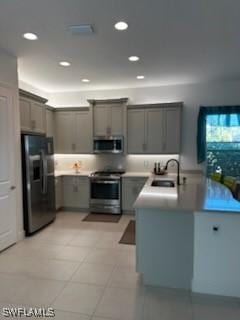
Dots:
(187, 236)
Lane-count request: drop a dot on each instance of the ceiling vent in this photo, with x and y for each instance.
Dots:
(82, 29)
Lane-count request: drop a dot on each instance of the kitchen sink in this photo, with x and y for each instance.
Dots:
(163, 183)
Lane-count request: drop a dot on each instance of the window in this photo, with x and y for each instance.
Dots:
(223, 144)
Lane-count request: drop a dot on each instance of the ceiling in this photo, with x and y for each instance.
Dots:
(177, 42)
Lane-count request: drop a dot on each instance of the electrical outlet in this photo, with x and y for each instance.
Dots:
(146, 164)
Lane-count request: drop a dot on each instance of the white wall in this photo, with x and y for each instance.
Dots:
(9, 79)
(136, 163)
(193, 95)
(28, 87)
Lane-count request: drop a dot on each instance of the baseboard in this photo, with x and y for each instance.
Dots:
(213, 288)
(20, 235)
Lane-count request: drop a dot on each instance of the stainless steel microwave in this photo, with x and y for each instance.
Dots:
(105, 144)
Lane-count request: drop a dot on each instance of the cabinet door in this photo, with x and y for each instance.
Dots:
(70, 192)
(50, 124)
(25, 114)
(172, 130)
(154, 131)
(102, 120)
(38, 117)
(65, 132)
(84, 191)
(117, 120)
(136, 131)
(131, 189)
(83, 132)
(76, 192)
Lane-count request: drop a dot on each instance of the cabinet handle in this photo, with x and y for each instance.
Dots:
(12, 188)
(144, 146)
(73, 146)
(164, 146)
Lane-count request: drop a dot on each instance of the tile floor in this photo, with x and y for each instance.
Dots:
(81, 270)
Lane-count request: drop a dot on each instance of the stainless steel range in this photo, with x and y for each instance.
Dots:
(106, 192)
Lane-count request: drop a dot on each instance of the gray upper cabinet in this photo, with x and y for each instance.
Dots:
(136, 134)
(154, 129)
(173, 130)
(38, 117)
(32, 113)
(108, 120)
(25, 114)
(83, 131)
(102, 120)
(109, 117)
(65, 132)
(50, 123)
(33, 116)
(74, 131)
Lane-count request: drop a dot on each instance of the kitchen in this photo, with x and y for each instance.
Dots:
(105, 140)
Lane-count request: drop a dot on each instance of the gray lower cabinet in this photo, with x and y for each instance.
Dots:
(131, 187)
(75, 192)
(58, 192)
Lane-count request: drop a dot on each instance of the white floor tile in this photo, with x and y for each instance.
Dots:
(125, 277)
(72, 253)
(22, 290)
(62, 315)
(93, 274)
(120, 304)
(80, 298)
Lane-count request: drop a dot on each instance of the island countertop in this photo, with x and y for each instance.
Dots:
(198, 194)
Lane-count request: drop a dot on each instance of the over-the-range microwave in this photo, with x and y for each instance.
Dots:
(108, 144)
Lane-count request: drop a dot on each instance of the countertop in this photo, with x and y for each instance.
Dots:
(198, 194)
(59, 173)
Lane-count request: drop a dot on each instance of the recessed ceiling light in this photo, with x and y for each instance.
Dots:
(30, 36)
(121, 25)
(133, 58)
(85, 80)
(140, 77)
(64, 63)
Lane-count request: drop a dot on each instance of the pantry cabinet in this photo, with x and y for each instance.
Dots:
(109, 117)
(32, 113)
(154, 129)
(74, 131)
(76, 192)
(131, 188)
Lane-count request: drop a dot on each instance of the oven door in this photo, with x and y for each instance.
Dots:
(105, 191)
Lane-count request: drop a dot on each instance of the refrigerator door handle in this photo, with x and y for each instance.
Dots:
(43, 168)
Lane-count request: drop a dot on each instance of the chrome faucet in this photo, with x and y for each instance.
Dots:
(178, 169)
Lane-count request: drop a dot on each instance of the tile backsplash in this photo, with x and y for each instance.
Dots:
(135, 163)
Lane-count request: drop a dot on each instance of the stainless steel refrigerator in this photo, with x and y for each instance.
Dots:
(38, 182)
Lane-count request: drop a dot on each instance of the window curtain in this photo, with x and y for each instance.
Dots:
(224, 116)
